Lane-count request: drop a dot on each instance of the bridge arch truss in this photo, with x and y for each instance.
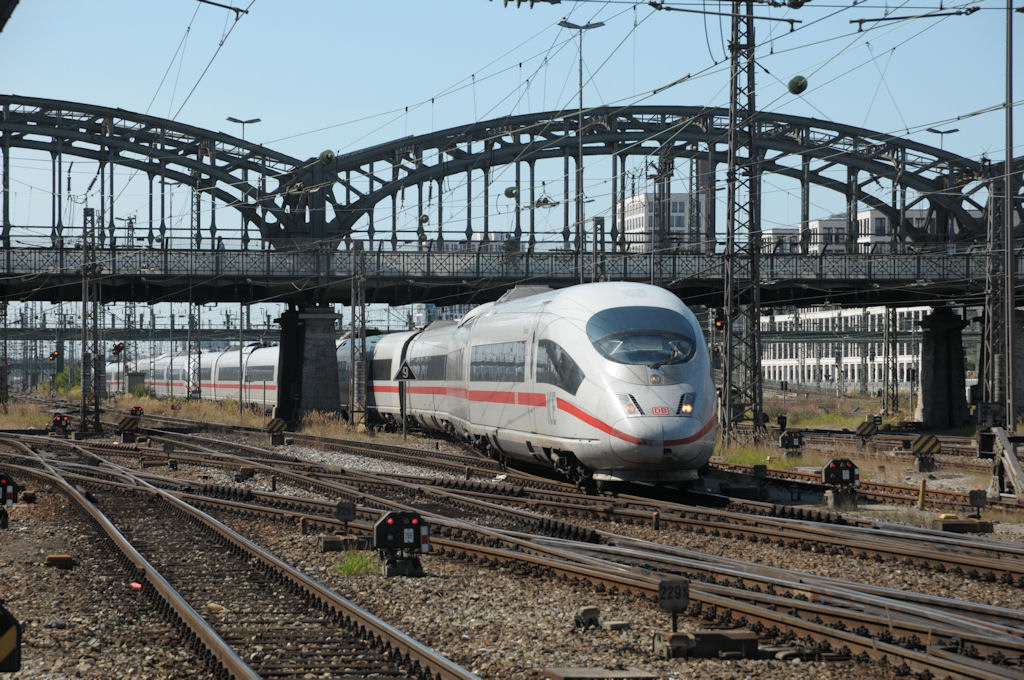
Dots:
(322, 202)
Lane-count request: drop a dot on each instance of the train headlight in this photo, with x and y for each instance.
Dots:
(629, 405)
(686, 403)
(654, 379)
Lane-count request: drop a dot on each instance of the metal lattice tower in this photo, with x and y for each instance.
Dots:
(4, 389)
(357, 347)
(741, 376)
(890, 391)
(996, 318)
(195, 358)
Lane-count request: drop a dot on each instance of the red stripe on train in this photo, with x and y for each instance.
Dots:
(492, 396)
(574, 410)
(689, 440)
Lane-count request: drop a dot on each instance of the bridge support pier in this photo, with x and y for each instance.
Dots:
(307, 362)
(943, 402)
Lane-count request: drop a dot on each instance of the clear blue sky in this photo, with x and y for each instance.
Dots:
(354, 67)
(343, 75)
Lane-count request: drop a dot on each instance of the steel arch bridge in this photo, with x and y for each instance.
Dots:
(288, 203)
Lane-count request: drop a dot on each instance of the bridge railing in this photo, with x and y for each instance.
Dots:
(968, 268)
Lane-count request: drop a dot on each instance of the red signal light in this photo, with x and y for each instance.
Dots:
(415, 520)
(391, 520)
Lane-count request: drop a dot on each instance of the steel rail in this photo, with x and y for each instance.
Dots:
(226, 658)
(887, 544)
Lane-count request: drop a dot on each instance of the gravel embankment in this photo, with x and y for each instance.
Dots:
(87, 621)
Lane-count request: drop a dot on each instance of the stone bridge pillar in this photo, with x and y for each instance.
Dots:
(307, 362)
(943, 402)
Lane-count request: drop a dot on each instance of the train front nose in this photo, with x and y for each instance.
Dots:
(664, 443)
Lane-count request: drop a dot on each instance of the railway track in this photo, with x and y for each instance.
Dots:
(254, 615)
(882, 492)
(771, 522)
(841, 619)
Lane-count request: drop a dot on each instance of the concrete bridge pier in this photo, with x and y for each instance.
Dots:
(943, 402)
(307, 362)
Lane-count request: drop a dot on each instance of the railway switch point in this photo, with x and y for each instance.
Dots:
(716, 643)
(706, 644)
(587, 617)
(398, 537)
(672, 645)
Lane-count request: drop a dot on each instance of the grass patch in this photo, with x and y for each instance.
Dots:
(746, 454)
(357, 563)
(20, 415)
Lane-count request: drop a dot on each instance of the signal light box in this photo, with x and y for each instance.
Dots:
(404, 530)
(398, 537)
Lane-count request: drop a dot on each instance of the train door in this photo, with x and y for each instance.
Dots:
(534, 394)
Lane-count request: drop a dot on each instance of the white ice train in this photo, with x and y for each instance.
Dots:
(218, 375)
(604, 381)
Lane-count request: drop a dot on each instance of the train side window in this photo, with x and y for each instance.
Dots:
(428, 368)
(498, 362)
(453, 367)
(381, 369)
(556, 367)
(229, 373)
(259, 374)
(205, 371)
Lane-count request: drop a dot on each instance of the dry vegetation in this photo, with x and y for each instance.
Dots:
(20, 415)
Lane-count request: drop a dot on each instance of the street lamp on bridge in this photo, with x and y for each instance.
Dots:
(942, 135)
(243, 123)
(565, 23)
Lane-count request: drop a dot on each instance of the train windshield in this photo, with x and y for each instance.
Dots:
(642, 335)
